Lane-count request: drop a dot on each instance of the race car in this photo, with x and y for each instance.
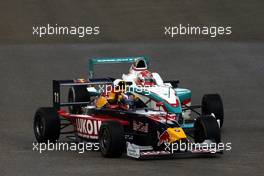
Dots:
(154, 92)
(140, 132)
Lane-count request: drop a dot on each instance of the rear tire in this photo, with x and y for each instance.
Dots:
(206, 127)
(46, 125)
(78, 94)
(212, 103)
(111, 139)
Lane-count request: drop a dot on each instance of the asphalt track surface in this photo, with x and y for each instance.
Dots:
(233, 69)
(126, 20)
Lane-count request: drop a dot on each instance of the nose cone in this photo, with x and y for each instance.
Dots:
(176, 134)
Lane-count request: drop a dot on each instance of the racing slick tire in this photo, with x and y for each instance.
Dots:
(111, 139)
(78, 94)
(46, 125)
(206, 128)
(212, 103)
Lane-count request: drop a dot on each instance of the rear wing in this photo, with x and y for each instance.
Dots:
(58, 84)
(96, 61)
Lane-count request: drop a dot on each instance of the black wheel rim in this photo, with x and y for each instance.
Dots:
(39, 126)
(105, 141)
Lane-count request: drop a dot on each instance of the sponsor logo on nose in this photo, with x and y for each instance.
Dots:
(163, 138)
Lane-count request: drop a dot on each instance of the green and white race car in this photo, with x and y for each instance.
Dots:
(154, 92)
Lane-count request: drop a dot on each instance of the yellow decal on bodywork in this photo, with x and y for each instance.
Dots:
(101, 102)
(176, 134)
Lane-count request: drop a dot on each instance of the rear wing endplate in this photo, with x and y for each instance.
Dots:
(57, 84)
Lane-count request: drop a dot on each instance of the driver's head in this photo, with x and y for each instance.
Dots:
(145, 78)
(129, 101)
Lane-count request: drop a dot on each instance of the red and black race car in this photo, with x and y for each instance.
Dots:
(140, 132)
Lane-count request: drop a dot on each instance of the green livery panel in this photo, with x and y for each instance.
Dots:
(183, 94)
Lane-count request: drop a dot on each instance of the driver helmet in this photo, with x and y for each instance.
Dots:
(129, 101)
(145, 78)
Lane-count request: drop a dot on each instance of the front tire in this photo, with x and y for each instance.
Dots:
(46, 125)
(111, 139)
(206, 128)
(212, 103)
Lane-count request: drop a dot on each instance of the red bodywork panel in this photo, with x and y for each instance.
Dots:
(88, 126)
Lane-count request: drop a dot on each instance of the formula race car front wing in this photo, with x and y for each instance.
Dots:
(147, 152)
